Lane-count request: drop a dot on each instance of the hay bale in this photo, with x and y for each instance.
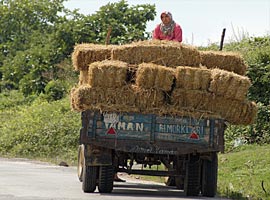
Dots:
(129, 98)
(249, 113)
(150, 76)
(148, 100)
(161, 52)
(229, 85)
(85, 54)
(83, 77)
(107, 74)
(229, 61)
(191, 78)
(110, 99)
(234, 111)
(172, 111)
(193, 100)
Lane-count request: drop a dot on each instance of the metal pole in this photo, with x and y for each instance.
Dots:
(222, 39)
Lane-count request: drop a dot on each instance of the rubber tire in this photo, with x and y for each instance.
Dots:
(89, 179)
(80, 162)
(106, 178)
(209, 176)
(192, 178)
(170, 181)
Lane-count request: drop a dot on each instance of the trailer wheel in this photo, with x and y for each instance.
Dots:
(209, 176)
(106, 175)
(89, 178)
(192, 177)
(80, 162)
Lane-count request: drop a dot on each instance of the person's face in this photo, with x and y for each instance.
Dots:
(165, 19)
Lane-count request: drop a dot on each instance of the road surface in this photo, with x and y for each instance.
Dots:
(22, 179)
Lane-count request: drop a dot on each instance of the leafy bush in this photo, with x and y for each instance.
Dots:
(55, 90)
(12, 99)
(41, 130)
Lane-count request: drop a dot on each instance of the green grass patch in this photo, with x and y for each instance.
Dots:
(242, 173)
(47, 131)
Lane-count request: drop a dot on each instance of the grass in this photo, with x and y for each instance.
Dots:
(241, 173)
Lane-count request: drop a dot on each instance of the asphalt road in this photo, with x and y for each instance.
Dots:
(22, 179)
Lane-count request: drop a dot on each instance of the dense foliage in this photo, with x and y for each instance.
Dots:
(35, 36)
(40, 130)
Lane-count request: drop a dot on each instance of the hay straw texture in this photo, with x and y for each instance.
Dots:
(126, 99)
(107, 74)
(166, 53)
(154, 76)
(235, 111)
(191, 99)
(85, 54)
(229, 85)
(229, 61)
(83, 77)
(86, 97)
(191, 78)
(148, 100)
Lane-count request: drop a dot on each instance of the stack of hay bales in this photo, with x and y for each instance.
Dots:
(164, 78)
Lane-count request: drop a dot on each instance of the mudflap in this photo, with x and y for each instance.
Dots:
(97, 156)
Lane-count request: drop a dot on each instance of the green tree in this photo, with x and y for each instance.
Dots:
(127, 23)
(35, 36)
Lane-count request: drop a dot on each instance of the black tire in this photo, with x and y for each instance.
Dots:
(106, 177)
(80, 162)
(209, 176)
(192, 177)
(170, 181)
(89, 178)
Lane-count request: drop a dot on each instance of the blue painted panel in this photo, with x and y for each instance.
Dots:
(134, 126)
(127, 135)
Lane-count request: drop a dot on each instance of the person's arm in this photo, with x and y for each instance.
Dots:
(178, 33)
(156, 32)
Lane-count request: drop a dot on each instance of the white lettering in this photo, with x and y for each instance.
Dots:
(121, 125)
(161, 128)
(169, 128)
(111, 118)
(130, 127)
(139, 127)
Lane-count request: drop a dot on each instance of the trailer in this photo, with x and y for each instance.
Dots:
(185, 148)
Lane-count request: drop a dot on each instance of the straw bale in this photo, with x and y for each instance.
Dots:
(87, 53)
(191, 78)
(229, 85)
(107, 74)
(229, 61)
(161, 52)
(172, 111)
(249, 113)
(150, 75)
(83, 77)
(234, 111)
(198, 100)
(148, 100)
(86, 97)
(126, 99)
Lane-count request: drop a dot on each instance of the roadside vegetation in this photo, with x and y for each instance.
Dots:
(36, 77)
